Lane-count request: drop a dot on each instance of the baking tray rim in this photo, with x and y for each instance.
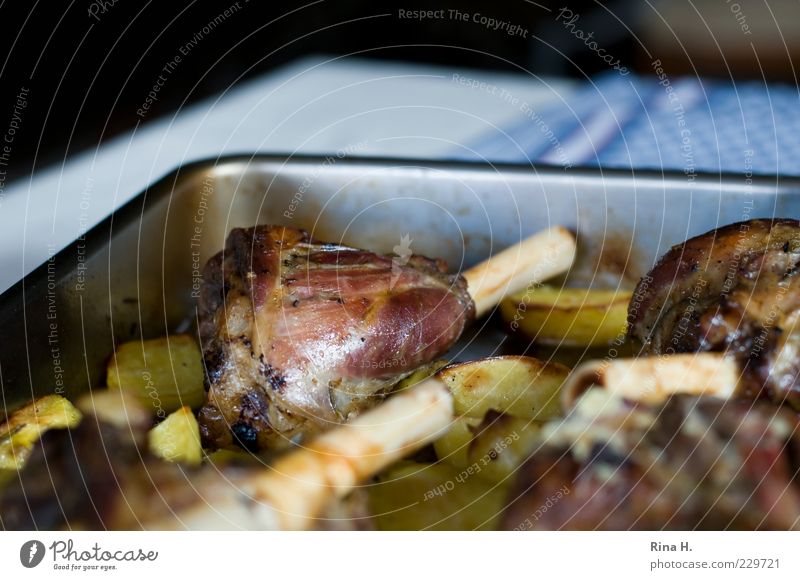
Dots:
(96, 238)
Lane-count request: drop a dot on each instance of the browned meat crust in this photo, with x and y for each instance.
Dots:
(298, 335)
(733, 290)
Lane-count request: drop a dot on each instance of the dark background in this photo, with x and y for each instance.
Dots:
(88, 75)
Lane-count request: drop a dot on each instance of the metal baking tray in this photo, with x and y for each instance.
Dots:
(137, 273)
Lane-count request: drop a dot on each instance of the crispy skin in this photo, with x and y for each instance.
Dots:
(687, 464)
(735, 290)
(299, 336)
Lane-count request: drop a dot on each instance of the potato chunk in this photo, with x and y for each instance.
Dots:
(521, 386)
(434, 496)
(501, 444)
(26, 425)
(578, 317)
(177, 438)
(491, 449)
(453, 446)
(164, 373)
(420, 374)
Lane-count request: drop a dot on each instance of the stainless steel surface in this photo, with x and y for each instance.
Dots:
(136, 273)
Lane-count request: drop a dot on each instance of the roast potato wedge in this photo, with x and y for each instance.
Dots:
(521, 386)
(164, 373)
(576, 317)
(453, 446)
(27, 424)
(501, 444)
(434, 496)
(420, 374)
(492, 448)
(177, 438)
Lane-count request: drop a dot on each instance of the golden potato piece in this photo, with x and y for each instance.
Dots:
(518, 385)
(177, 438)
(420, 374)
(165, 373)
(453, 446)
(434, 496)
(26, 425)
(492, 448)
(568, 316)
(501, 444)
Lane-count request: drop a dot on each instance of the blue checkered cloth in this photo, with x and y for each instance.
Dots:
(687, 125)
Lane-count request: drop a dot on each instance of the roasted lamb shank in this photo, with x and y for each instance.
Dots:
(299, 335)
(734, 290)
